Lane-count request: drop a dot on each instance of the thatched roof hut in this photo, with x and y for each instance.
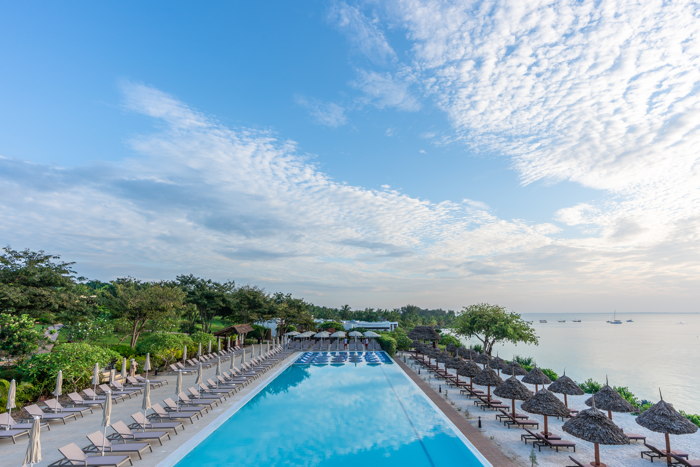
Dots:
(424, 333)
(513, 369)
(497, 363)
(513, 389)
(487, 377)
(609, 399)
(545, 403)
(451, 348)
(468, 368)
(593, 426)
(536, 377)
(481, 358)
(663, 418)
(567, 386)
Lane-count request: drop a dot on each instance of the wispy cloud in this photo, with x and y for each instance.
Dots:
(325, 113)
(386, 90)
(364, 34)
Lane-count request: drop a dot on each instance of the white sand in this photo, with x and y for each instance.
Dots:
(508, 439)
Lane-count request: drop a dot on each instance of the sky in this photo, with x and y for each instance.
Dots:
(540, 155)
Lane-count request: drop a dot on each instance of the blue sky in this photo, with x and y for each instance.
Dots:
(371, 153)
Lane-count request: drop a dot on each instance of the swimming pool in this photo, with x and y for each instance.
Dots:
(356, 413)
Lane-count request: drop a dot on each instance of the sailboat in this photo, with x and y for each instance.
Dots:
(615, 320)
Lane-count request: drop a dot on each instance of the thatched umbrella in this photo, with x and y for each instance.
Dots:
(593, 426)
(487, 377)
(514, 368)
(513, 389)
(470, 369)
(466, 353)
(536, 377)
(424, 333)
(545, 403)
(482, 358)
(663, 418)
(567, 386)
(609, 399)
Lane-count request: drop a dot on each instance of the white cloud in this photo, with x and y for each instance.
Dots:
(604, 95)
(366, 37)
(385, 90)
(325, 113)
(238, 203)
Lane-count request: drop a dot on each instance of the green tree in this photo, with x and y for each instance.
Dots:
(331, 325)
(492, 323)
(37, 284)
(251, 304)
(210, 298)
(18, 335)
(290, 312)
(141, 304)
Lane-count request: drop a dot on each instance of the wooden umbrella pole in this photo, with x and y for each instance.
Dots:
(566, 402)
(610, 414)
(513, 401)
(597, 455)
(668, 449)
(546, 428)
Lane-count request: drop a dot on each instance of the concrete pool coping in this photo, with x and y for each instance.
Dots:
(485, 446)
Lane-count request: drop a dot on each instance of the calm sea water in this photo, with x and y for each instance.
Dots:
(656, 350)
(337, 416)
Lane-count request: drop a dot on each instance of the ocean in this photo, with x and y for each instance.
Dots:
(654, 351)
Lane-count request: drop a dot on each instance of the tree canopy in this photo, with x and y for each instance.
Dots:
(493, 323)
(210, 298)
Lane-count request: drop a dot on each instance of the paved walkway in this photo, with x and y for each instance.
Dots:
(76, 430)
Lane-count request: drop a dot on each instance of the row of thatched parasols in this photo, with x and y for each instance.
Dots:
(590, 425)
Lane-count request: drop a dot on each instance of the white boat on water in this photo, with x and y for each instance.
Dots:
(615, 320)
(543, 321)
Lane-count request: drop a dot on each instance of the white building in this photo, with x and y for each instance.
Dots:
(371, 325)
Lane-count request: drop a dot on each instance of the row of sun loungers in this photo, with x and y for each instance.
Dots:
(126, 442)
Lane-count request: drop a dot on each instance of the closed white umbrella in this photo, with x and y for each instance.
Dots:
(106, 418)
(228, 342)
(132, 368)
(59, 384)
(147, 364)
(95, 378)
(218, 344)
(199, 351)
(218, 366)
(112, 374)
(33, 455)
(233, 363)
(184, 354)
(178, 385)
(146, 403)
(243, 358)
(11, 395)
(200, 370)
(123, 373)
(209, 347)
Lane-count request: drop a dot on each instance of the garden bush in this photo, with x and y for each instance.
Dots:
(203, 338)
(551, 374)
(165, 347)
(448, 339)
(124, 350)
(590, 387)
(76, 360)
(387, 343)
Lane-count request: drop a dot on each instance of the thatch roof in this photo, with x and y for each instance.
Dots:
(451, 348)
(498, 363)
(545, 403)
(239, 329)
(513, 368)
(535, 376)
(481, 358)
(565, 385)
(609, 399)
(424, 333)
(512, 388)
(468, 368)
(663, 418)
(466, 353)
(487, 377)
(442, 357)
(593, 426)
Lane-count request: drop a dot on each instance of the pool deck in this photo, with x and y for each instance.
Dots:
(76, 430)
(484, 445)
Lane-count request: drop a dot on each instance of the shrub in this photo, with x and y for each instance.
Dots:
(590, 387)
(203, 338)
(165, 347)
(87, 330)
(551, 374)
(124, 350)
(76, 360)
(18, 335)
(448, 339)
(692, 417)
(387, 343)
(477, 348)
(331, 325)
(26, 392)
(250, 341)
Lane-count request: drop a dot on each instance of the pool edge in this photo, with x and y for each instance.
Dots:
(492, 455)
(182, 451)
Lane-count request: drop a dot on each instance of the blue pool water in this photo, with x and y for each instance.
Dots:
(359, 414)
